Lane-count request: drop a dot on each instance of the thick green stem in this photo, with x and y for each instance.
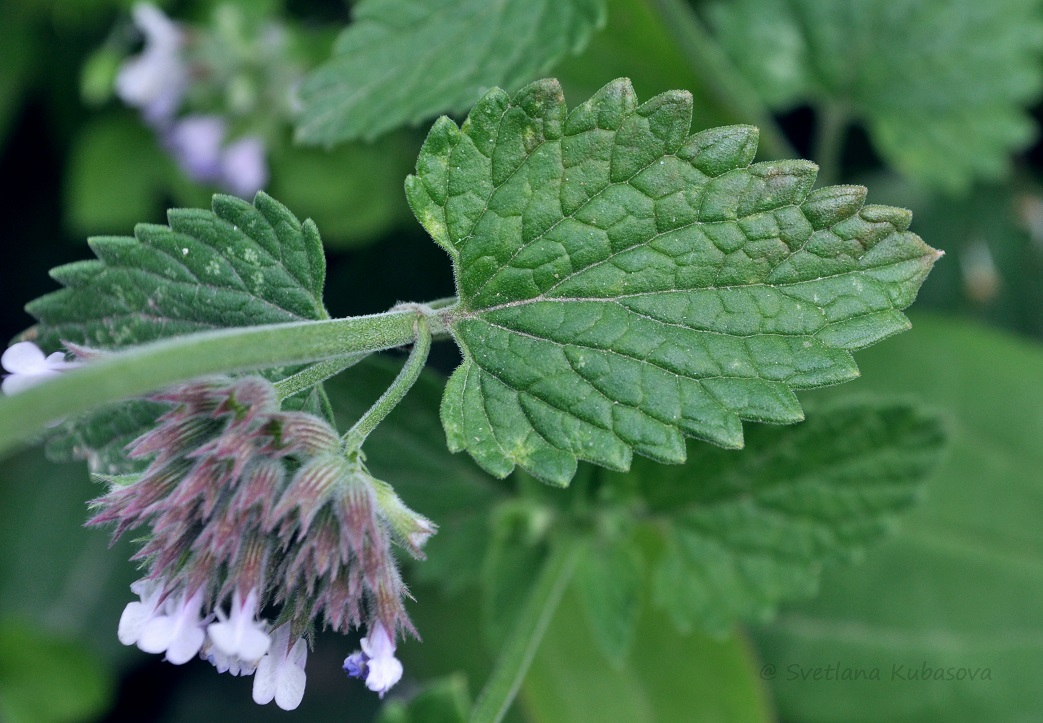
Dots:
(316, 373)
(394, 394)
(525, 637)
(152, 366)
(723, 80)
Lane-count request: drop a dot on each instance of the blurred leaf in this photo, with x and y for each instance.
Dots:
(65, 578)
(409, 451)
(117, 176)
(666, 677)
(609, 580)
(749, 530)
(512, 564)
(442, 701)
(624, 284)
(960, 585)
(401, 61)
(635, 44)
(47, 679)
(20, 44)
(941, 84)
(353, 193)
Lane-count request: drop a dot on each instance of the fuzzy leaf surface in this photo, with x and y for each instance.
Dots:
(239, 264)
(624, 284)
(749, 531)
(402, 61)
(942, 85)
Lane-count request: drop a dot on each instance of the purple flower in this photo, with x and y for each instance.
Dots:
(155, 80)
(195, 144)
(244, 170)
(376, 661)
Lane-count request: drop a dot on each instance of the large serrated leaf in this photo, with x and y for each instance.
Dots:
(402, 61)
(748, 531)
(240, 264)
(624, 284)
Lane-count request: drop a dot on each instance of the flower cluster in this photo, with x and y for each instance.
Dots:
(248, 508)
(157, 81)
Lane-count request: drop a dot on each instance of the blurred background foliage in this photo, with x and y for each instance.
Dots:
(933, 104)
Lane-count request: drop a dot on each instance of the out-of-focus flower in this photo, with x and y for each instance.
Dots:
(244, 170)
(376, 661)
(197, 144)
(194, 142)
(280, 674)
(155, 80)
(27, 366)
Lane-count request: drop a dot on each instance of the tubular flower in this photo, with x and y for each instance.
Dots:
(246, 506)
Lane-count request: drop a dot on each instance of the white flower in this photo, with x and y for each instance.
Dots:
(226, 663)
(243, 168)
(178, 632)
(155, 80)
(28, 366)
(137, 614)
(240, 635)
(280, 674)
(384, 668)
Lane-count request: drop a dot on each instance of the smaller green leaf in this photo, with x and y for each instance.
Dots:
(748, 531)
(608, 582)
(239, 264)
(512, 563)
(446, 700)
(401, 62)
(666, 677)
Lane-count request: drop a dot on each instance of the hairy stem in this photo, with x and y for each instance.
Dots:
(394, 394)
(723, 80)
(316, 373)
(525, 637)
(142, 369)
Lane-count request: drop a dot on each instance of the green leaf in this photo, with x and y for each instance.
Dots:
(749, 531)
(608, 582)
(401, 61)
(353, 193)
(117, 176)
(46, 679)
(624, 284)
(666, 677)
(959, 586)
(941, 85)
(442, 701)
(237, 265)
